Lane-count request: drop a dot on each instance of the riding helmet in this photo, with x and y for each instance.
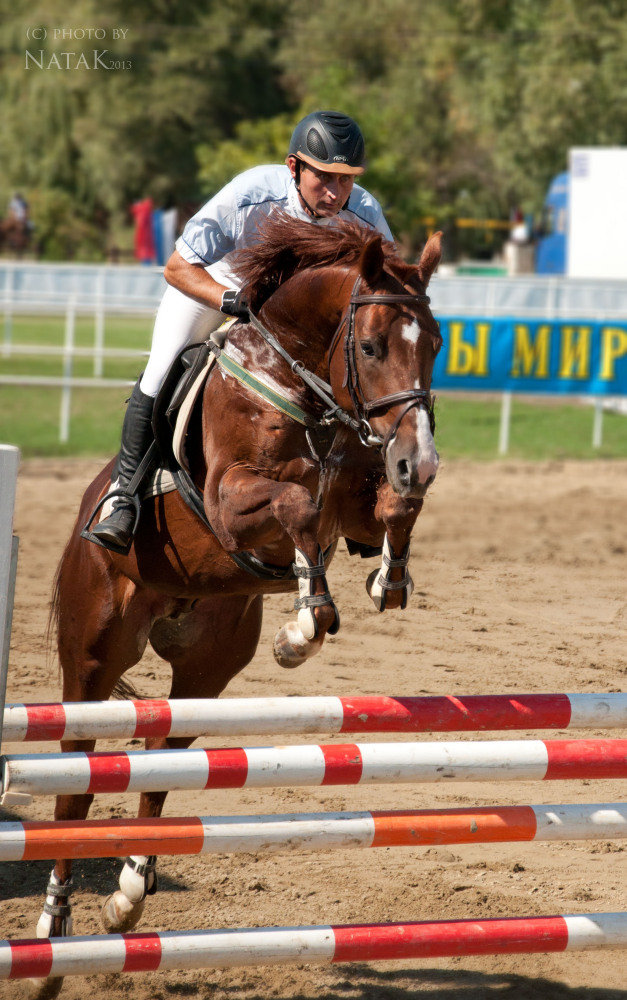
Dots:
(329, 140)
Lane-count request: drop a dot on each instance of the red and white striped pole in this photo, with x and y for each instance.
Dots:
(82, 956)
(344, 764)
(39, 841)
(243, 716)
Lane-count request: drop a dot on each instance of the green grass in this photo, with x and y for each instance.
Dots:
(49, 331)
(120, 331)
(466, 427)
(538, 430)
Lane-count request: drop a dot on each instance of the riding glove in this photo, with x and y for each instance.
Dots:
(235, 304)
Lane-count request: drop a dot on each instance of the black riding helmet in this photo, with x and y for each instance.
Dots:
(329, 140)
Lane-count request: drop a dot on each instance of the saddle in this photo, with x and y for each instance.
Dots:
(174, 408)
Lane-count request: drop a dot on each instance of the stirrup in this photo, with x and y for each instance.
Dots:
(111, 546)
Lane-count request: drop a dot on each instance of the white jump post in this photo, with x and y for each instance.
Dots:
(597, 424)
(68, 361)
(506, 417)
(8, 314)
(99, 324)
(9, 462)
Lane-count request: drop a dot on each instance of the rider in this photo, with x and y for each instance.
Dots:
(18, 209)
(325, 155)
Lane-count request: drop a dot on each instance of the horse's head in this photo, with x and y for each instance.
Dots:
(390, 344)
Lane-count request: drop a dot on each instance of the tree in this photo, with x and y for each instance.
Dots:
(182, 73)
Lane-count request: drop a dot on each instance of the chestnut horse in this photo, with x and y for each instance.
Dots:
(357, 318)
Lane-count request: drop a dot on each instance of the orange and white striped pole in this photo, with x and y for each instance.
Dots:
(37, 841)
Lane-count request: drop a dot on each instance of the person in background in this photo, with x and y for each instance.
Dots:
(18, 209)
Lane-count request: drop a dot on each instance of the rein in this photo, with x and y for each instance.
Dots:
(363, 408)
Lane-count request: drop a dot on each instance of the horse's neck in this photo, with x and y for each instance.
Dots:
(306, 311)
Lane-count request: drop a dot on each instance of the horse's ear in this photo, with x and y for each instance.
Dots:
(371, 260)
(430, 257)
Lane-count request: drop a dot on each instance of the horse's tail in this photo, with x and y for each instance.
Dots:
(52, 626)
(54, 612)
(125, 690)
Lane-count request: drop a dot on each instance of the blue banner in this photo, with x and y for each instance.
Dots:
(559, 356)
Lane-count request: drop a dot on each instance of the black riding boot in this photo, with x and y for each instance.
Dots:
(116, 531)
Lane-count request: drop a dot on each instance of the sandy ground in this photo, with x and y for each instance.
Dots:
(520, 586)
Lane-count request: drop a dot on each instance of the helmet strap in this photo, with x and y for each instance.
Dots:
(310, 211)
(306, 205)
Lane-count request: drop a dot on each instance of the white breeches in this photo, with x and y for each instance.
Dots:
(180, 321)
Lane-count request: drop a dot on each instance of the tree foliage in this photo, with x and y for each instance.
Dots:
(468, 106)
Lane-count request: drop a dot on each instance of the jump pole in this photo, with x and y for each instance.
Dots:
(243, 716)
(9, 463)
(331, 764)
(42, 841)
(107, 953)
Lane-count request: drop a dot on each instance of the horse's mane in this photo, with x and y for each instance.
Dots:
(287, 245)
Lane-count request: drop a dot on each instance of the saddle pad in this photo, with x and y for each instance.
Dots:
(185, 411)
(192, 392)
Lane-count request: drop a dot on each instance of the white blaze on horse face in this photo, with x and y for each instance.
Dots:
(411, 331)
(428, 456)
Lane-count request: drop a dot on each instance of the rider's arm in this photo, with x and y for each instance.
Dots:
(193, 280)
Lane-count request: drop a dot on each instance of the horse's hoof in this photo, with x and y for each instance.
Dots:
(119, 914)
(43, 989)
(291, 648)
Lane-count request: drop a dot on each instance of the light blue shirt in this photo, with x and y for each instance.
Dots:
(230, 220)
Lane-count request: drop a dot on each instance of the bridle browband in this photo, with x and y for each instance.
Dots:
(363, 408)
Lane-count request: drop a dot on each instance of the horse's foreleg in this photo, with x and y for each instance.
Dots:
(391, 585)
(252, 509)
(123, 909)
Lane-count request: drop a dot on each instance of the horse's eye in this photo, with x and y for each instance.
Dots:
(367, 349)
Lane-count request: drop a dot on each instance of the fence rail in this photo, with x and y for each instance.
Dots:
(100, 290)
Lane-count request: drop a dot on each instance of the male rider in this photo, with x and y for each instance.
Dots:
(326, 154)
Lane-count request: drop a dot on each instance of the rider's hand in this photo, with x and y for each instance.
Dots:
(234, 304)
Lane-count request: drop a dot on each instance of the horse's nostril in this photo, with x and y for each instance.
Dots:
(403, 471)
(430, 480)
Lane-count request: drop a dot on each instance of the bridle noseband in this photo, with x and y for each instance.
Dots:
(364, 409)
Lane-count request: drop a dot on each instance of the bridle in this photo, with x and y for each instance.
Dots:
(362, 407)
